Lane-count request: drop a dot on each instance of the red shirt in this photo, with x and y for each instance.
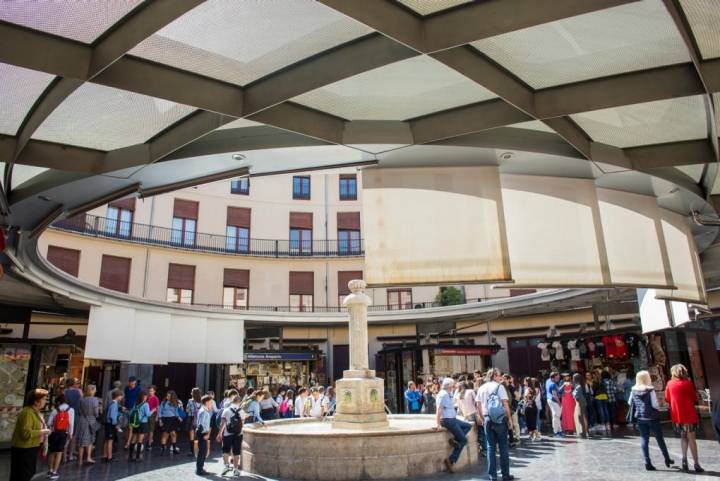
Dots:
(153, 402)
(681, 395)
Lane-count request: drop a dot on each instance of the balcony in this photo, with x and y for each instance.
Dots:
(336, 309)
(103, 227)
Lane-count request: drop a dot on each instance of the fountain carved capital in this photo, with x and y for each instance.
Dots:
(357, 294)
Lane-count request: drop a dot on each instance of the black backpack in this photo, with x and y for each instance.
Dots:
(235, 424)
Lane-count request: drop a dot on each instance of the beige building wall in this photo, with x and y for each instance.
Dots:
(270, 200)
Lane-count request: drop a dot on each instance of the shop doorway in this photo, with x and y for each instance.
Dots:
(180, 377)
(341, 360)
(524, 357)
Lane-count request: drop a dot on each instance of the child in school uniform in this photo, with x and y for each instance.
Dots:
(112, 428)
(61, 422)
(202, 434)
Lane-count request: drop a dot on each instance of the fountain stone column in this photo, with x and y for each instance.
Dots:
(360, 402)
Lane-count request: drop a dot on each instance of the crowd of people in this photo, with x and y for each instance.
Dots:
(500, 408)
(140, 421)
(578, 404)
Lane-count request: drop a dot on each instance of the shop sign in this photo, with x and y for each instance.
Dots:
(280, 356)
(464, 351)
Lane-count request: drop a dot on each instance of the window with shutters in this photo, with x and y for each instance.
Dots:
(67, 260)
(240, 186)
(235, 298)
(348, 241)
(120, 217)
(180, 296)
(301, 187)
(236, 286)
(119, 222)
(237, 232)
(301, 232)
(181, 283)
(301, 291)
(348, 232)
(115, 273)
(348, 187)
(399, 299)
(344, 277)
(184, 223)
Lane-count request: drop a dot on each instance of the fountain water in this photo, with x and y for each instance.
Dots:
(362, 442)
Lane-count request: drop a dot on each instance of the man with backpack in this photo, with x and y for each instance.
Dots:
(447, 417)
(231, 436)
(493, 402)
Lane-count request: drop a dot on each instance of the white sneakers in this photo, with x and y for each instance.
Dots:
(228, 468)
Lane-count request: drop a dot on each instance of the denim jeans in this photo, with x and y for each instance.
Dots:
(601, 407)
(497, 435)
(590, 413)
(458, 429)
(612, 412)
(651, 427)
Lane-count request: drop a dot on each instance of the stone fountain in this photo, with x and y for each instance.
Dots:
(361, 442)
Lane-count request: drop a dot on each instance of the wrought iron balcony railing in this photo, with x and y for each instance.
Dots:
(202, 242)
(372, 308)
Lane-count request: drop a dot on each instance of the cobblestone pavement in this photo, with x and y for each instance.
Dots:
(570, 459)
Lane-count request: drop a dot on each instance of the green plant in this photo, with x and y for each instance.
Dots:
(449, 296)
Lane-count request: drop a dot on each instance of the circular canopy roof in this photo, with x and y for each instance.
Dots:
(147, 96)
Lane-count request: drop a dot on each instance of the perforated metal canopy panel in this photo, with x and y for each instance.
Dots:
(647, 123)
(239, 42)
(399, 91)
(716, 101)
(106, 118)
(81, 20)
(621, 39)
(239, 123)
(23, 173)
(693, 171)
(704, 19)
(533, 125)
(427, 7)
(19, 89)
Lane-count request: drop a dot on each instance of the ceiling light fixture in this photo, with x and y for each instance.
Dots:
(506, 155)
(238, 157)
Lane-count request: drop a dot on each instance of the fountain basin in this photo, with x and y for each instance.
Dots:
(307, 449)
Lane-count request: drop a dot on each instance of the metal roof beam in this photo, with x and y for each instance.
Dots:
(671, 154)
(479, 20)
(347, 60)
(617, 90)
(465, 120)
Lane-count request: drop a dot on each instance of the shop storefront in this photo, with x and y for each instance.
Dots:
(24, 366)
(399, 365)
(273, 369)
(14, 370)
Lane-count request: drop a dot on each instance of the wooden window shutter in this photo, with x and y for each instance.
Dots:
(67, 260)
(187, 209)
(115, 273)
(127, 203)
(302, 283)
(301, 220)
(181, 276)
(236, 278)
(521, 292)
(348, 220)
(238, 217)
(344, 277)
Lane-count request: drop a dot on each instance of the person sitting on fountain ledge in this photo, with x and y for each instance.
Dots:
(447, 418)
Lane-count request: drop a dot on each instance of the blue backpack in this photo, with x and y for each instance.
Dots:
(495, 408)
